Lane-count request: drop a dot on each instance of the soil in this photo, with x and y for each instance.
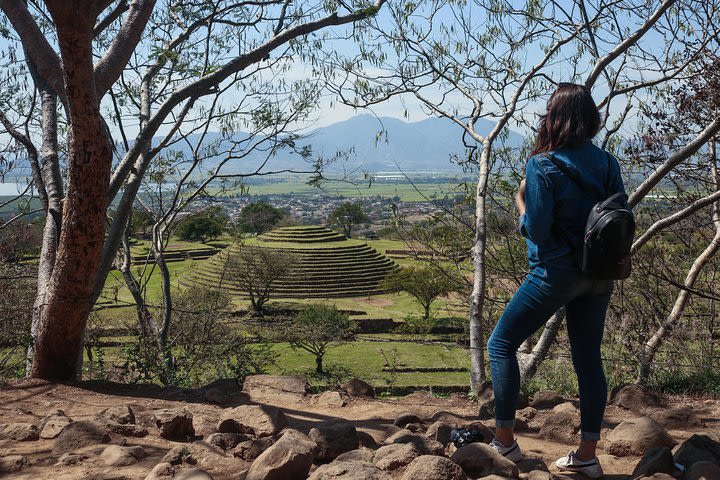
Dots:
(31, 400)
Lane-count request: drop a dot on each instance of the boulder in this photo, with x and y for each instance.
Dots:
(123, 414)
(333, 437)
(350, 470)
(193, 474)
(655, 460)
(425, 445)
(358, 388)
(290, 458)
(560, 427)
(440, 432)
(20, 432)
(124, 429)
(566, 407)
(255, 420)
(174, 424)
(161, 471)
(656, 476)
(635, 398)
(118, 456)
(367, 440)
(486, 431)
(540, 475)
(406, 418)
(703, 471)
(197, 454)
(51, 426)
(527, 413)
(225, 391)
(249, 450)
(636, 436)
(72, 458)
(698, 448)
(289, 386)
(331, 399)
(79, 434)
(395, 456)
(546, 399)
(359, 454)
(479, 460)
(530, 464)
(431, 467)
(676, 418)
(226, 441)
(12, 463)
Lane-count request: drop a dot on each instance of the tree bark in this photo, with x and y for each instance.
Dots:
(62, 317)
(477, 298)
(530, 361)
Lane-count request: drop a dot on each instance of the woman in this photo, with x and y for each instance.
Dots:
(553, 210)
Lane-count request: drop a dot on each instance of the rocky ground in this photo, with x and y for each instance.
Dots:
(274, 429)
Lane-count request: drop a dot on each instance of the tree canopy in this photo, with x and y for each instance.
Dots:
(347, 216)
(259, 217)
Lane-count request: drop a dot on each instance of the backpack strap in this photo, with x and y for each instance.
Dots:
(572, 175)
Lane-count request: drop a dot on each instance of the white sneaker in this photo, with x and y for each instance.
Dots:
(512, 452)
(590, 468)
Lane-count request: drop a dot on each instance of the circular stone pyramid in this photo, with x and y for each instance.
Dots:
(325, 264)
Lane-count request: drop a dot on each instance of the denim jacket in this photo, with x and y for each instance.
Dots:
(556, 207)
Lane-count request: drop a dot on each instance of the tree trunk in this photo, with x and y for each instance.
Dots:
(62, 317)
(477, 298)
(427, 311)
(651, 347)
(318, 364)
(530, 361)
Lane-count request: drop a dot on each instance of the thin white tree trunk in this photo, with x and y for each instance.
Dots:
(651, 347)
(530, 360)
(477, 298)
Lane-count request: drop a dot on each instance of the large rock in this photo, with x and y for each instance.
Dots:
(698, 448)
(360, 454)
(440, 432)
(703, 471)
(358, 388)
(20, 432)
(656, 476)
(226, 441)
(546, 399)
(395, 456)
(287, 386)
(256, 420)
(479, 460)
(655, 460)
(12, 463)
(334, 437)
(290, 458)
(349, 470)
(174, 424)
(636, 436)
(79, 434)
(51, 426)
(161, 471)
(406, 418)
(193, 474)
(560, 427)
(680, 418)
(530, 464)
(249, 450)
(225, 391)
(331, 399)
(117, 456)
(426, 446)
(635, 398)
(122, 414)
(431, 467)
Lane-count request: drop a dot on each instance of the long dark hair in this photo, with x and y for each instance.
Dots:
(572, 117)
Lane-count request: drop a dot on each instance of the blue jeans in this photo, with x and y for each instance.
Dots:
(548, 287)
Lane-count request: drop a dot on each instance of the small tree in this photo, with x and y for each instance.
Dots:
(347, 216)
(206, 225)
(319, 328)
(423, 283)
(259, 217)
(256, 271)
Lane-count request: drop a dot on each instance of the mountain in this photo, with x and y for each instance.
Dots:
(374, 144)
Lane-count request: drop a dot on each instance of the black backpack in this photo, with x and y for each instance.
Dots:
(609, 232)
